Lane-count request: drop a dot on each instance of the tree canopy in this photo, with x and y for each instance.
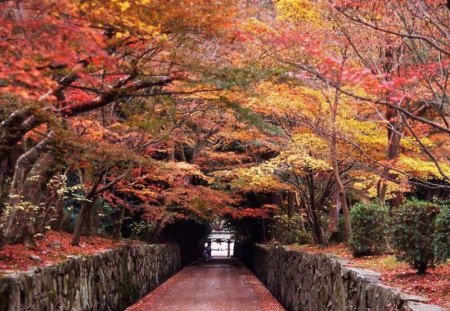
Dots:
(125, 117)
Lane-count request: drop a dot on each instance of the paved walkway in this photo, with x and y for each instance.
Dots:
(216, 286)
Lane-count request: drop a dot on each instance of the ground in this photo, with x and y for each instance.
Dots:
(51, 248)
(434, 285)
(219, 285)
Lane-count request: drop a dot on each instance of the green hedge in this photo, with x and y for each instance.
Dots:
(441, 241)
(369, 229)
(413, 228)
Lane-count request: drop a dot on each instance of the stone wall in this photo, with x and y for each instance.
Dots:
(318, 282)
(111, 280)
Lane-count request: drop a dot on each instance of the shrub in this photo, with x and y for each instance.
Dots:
(369, 229)
(441, 242)
(339, 235)
(412, 233)
(287, 230)
(144, 231)
(303, 237)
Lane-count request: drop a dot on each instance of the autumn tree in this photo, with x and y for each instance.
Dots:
(66, 59)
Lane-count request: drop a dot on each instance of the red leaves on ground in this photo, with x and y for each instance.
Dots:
(434, 285)
(53, 247)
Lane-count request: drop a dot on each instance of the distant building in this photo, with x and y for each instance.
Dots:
(222, 243)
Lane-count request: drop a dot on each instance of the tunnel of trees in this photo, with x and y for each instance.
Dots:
(288, 119)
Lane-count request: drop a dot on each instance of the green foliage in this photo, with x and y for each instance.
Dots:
(441, 242)
(369, 229)
(106, 216)
(144, 230)
(413, 230)
(303, 237)
(339, 235)
(290, 230)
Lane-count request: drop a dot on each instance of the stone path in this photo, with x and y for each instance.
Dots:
(216, 286)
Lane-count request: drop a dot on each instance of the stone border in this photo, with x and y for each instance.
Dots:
(316, 282)
(110, 280)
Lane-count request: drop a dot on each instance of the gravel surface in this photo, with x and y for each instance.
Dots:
(214, 286)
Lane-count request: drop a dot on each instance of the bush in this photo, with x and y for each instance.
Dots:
(339, 235)
(441, 241)
(369, 229)
(303, 237)
(144, 231)
(287, 230)
(412, 233)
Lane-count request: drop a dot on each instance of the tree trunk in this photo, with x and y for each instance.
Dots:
(333, 216)
(342, 195)
(394, 127)
(90, 221)
(60, 216)
(422, 268)
(118, 225)
(34, 191)
(80, 221)
(344, 206)
(87, 206)
(16, 227)
(392, 152)
(291, 204)
(85, 209)
(318, 233)
(38, 177)
(13, 128)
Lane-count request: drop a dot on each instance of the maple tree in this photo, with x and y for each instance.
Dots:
(70, 58)
(390, 84)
